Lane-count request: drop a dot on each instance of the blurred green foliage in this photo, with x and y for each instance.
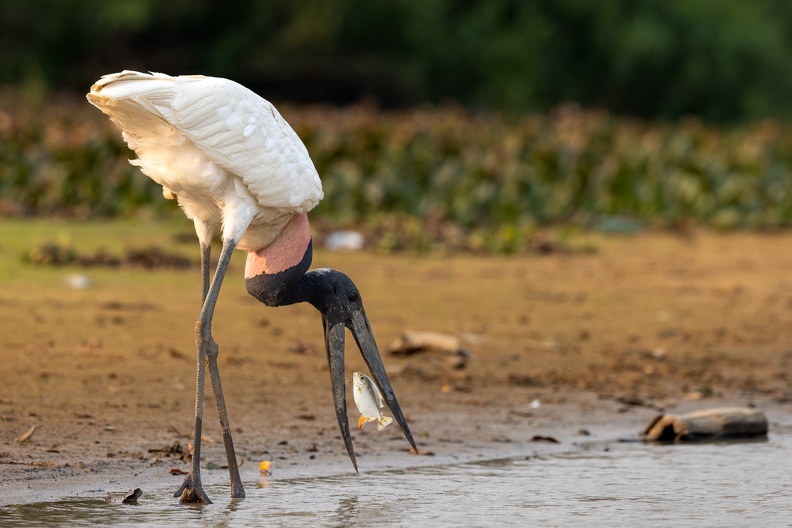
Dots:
(489, 177)
(58, 159)
(719, 59)
(440, 177)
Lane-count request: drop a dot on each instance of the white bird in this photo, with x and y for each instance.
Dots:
(234, 164)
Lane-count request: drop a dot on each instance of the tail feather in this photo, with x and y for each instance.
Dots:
(130, 99)
(127, 83)
(158, 88)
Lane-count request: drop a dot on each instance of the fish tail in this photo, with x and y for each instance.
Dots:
(383, 422)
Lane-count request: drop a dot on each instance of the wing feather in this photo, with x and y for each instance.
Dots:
(235, 128)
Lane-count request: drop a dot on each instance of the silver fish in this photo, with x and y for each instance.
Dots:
(369, 401)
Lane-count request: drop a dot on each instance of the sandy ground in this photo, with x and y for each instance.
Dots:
(602, 340)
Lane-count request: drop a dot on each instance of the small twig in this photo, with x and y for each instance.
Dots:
(27, 435)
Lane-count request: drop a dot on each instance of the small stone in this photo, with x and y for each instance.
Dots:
(132, 497)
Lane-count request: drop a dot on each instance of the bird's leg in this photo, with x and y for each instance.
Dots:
(205, 232)
(237, 490)
(191, 489)
(206, 253)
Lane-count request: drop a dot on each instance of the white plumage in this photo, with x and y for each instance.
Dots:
(225, 153)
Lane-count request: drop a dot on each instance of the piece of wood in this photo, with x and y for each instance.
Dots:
(132, 497)
(26, 436)
(709, 424)
(410, 343)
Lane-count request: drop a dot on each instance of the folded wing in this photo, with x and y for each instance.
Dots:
(231, 125)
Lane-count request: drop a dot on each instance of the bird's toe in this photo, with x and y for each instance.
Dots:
(191, 491)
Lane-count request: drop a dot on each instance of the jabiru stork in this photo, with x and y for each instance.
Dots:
(235, 165)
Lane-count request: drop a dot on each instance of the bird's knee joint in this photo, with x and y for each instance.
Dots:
(203, 332)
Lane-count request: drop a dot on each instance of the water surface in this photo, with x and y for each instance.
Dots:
(597, 484)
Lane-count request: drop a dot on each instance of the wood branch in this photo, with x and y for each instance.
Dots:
(410, 343)
(26, 436)
(710, 424)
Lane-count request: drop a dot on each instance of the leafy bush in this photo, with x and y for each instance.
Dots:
(59, 159)
(441, 177)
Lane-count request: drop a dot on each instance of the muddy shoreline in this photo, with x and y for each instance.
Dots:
(602, 340)
(459, 437)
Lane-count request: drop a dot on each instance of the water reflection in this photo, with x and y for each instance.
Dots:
(347, 511)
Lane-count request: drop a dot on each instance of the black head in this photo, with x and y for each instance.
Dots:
(332, 293)
(338, 299)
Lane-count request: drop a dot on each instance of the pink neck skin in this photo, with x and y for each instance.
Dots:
(285, 252)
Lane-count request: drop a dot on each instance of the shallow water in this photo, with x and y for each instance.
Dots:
(599, 483)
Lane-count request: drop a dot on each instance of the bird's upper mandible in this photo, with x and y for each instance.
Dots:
(232, 126)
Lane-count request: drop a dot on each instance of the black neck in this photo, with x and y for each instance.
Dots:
(282, 288)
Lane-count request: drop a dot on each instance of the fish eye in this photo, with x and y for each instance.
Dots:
(353, 297)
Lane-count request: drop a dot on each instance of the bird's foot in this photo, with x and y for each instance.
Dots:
(237, 491)
(191, 491)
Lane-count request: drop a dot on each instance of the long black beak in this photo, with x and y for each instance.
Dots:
(334, 343)
(364, 337)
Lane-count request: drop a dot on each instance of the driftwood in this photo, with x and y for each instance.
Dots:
(26, 436)
(410, 343)
(132, 497)
(711, 424)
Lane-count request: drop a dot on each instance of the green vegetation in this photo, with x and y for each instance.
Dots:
(441, 178)
(59, 159)
(481, 145)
